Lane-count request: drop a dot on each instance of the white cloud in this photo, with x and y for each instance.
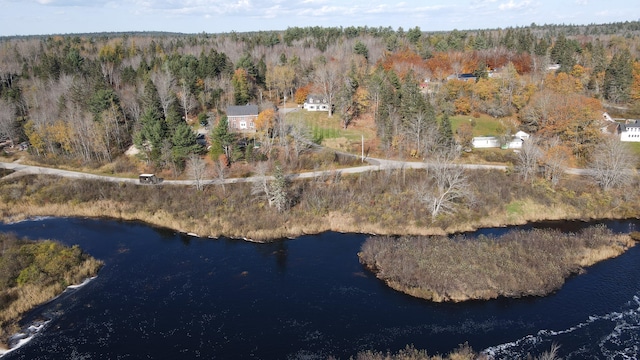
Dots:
(511, 5)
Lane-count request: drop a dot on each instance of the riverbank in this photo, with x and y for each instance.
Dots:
(34, 272)
(519, 263)
(384, 202)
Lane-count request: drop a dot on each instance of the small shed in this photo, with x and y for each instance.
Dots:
(148, 179)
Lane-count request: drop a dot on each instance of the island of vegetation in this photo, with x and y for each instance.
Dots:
(519, 263)
(34, 272)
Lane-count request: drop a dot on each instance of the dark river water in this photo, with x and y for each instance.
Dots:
(164, 295)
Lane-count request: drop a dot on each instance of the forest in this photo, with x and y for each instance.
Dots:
(85, 99)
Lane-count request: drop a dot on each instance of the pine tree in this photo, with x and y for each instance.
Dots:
(241, 94)
(151, 99)
(151, 134)
(618, 78)
(184, 143)
(446, 132)
(221, 139)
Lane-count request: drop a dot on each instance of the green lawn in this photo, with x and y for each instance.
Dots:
(635, 147)
(483, 126)
(325, 127)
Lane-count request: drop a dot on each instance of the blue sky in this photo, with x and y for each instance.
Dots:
(37, 17)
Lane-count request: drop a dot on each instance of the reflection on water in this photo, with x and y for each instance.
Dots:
(168, 295)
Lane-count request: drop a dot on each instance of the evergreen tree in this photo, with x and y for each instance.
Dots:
(184, 143)
(221, 139)
(446, 132)
(361, 49)
(618, 77)
(414, 35)
(481, 71)
(150, 98)
(152, 133)
(563, 52)
(541, 47)
(262, 71)
(241, 93)
(246, 63)
(174, 114)
(412, 102)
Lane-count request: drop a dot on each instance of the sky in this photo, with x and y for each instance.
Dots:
(43, 17)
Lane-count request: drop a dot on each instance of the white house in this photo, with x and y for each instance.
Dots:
(482, 142)
(316, 103)
(516, 141)
(630, 131)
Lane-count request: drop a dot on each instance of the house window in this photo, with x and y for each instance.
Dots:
(243, 124)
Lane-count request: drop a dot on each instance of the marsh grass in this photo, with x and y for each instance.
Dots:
(381, 202)
(519, 263)
(34, 272)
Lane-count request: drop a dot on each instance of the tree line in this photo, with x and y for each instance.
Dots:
(88, 98)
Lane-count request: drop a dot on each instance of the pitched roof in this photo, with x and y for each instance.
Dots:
(630, 124)
(242, 110)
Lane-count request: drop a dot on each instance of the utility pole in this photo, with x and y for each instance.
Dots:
(362, 155)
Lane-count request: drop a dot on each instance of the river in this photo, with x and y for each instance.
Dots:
(166, 295)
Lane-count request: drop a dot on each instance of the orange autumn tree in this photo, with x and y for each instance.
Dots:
(301, 94)
(439, 65)
(572, 117)
(266, 120)
(404, 61)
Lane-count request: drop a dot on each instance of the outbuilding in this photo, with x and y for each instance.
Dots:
(148, 179)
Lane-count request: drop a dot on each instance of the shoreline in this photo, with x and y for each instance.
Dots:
(487, 267)
(334, 221)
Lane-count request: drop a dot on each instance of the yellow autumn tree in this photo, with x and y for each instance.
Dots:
(36, 140)
(266, 120)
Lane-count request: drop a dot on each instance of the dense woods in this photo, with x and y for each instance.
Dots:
(85, 99)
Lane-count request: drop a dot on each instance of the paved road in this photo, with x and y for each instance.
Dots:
(373, 165)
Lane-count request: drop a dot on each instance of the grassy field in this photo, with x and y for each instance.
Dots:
(327, 127)
(635, 147)
(331, 127)
(484, 125)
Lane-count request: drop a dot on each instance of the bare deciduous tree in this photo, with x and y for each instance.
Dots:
(220, 171)
(260, 187)
(164, 82)
(8, 126)
(327, 78)
(528, 158)
(447, 185)
(187, 99)
(613, 164)
(197, 170)
(300, 138)
(556, 160)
